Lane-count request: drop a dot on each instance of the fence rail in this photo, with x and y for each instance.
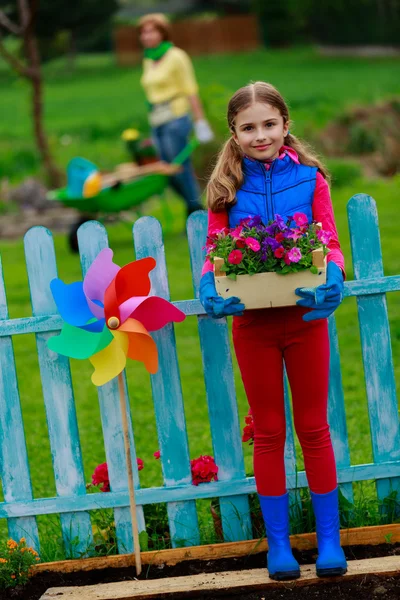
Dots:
(74, 504)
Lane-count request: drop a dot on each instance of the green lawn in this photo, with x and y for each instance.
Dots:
(92, 106)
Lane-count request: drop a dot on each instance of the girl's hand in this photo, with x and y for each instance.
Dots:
(203, 131)
(215, 306)
(325, 299)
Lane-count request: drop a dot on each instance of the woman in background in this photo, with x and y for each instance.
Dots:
(171, 89)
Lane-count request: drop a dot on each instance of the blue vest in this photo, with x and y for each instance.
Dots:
(284, 189)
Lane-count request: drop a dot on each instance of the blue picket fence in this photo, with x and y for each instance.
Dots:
(72, 502)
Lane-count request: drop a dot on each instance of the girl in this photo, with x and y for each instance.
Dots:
(264, 170)
(171, 89)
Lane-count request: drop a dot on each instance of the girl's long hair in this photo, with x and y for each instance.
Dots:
(227, 176)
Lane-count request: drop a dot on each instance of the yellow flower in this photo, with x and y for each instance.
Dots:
(3, 560)
(130, 135)
(22, 541)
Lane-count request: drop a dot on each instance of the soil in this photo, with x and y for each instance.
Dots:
(374, 587)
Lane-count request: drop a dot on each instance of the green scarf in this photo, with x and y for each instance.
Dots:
(157, 52)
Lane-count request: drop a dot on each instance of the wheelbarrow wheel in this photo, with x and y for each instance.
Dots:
(73, 234)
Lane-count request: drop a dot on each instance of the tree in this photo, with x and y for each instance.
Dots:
(30, 68)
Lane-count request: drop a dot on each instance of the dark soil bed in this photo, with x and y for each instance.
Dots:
(386, 588)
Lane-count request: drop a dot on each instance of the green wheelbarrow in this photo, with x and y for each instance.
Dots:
(118, 196)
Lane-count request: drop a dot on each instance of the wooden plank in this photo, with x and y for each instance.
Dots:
(359, 536)
(92, 238)
(167, 394)
(180, 493)
(221, 397)
(375, 339)
(226, 581)
(336, 409)
(13, 454)
(57, 394)
(367, 287)
(268, 290)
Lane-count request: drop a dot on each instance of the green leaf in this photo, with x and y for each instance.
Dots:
(144, 541)
(314, 269)
(232, 276)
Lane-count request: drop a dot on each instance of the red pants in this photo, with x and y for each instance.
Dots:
(263, 339)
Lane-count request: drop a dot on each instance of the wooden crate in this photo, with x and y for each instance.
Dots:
(269, 290)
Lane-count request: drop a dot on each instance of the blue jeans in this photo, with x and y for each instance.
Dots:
(170, 138)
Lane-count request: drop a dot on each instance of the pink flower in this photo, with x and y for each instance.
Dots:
(253, 244)
(295, 235)
(235, 257)
(280, 237)
(157, 454)
(300, 219)
(100, 477)
(294, 255)
(140, 464)
(236, 233)
(287, 259)
(324, 236)
(279, 252)
(203, 470)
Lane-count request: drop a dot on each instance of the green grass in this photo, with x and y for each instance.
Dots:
(87, 109)
(92, 106)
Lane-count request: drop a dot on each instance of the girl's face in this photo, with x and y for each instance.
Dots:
(260, 131)
(150, 36)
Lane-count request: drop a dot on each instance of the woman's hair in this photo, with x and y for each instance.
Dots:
(159, 21)
(227, 176)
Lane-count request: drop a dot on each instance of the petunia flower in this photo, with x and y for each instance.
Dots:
(157, 454)
(253, 244)
(300, 219)
(235, 257)
(279, 252)
(324, 236)
(294, 255)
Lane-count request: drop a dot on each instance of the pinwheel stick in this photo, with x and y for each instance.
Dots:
(131, 489)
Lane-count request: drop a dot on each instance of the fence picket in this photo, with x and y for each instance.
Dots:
(92, 238)
(167, 394)
(13, 454)
(336, 410)
(375, 338)
(58, 394)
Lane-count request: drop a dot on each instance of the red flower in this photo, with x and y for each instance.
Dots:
(248, 429)
(279, 237)
(203, 470)
(279, 252)
(140, 464)
(240, 243)
(286, 258)
(235, 257)
(100, 476)
(157, 454)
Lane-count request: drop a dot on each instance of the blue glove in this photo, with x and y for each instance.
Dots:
(215, 306)
(325, 298)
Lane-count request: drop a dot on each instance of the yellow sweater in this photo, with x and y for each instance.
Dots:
(171, 78)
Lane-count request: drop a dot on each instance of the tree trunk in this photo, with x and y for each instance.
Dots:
(53, 174)
(35, 76)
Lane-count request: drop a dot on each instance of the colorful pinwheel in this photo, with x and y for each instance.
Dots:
(108, 316)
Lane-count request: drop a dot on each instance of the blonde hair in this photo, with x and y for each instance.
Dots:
(159, 21)
(227, 176)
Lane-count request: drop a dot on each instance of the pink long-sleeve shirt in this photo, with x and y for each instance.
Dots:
(322, 211)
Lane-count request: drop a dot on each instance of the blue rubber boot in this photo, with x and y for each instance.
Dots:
(280, 560)
(331, 560)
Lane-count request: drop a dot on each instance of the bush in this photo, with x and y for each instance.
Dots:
(16, 560)
(343, 172)
(362, 140)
